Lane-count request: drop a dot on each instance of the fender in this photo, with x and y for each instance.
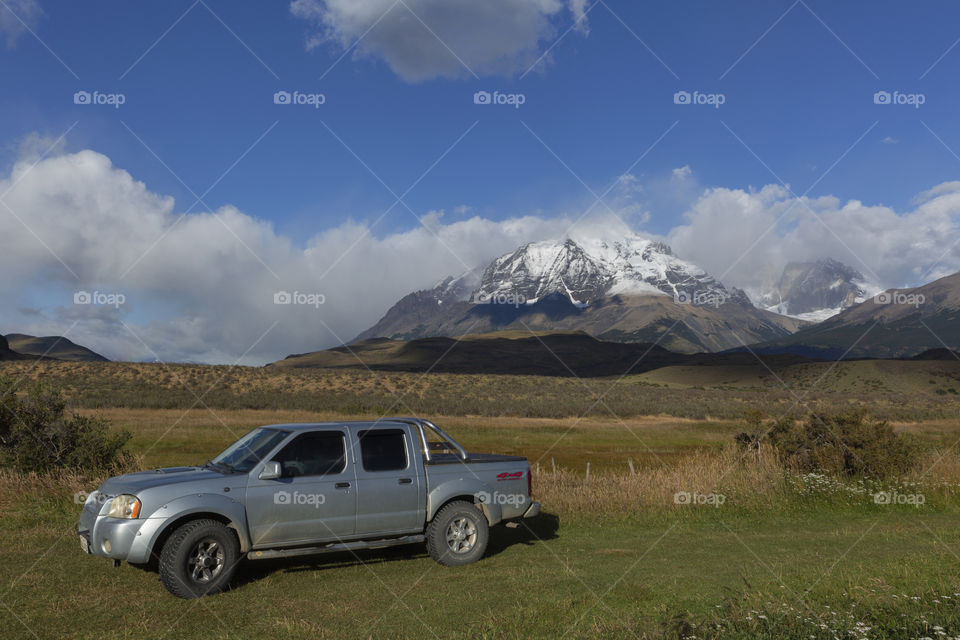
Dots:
(464, 487)
(157, 522)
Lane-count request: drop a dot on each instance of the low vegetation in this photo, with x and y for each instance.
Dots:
(38, 435)
(849, 444)
(896, 391)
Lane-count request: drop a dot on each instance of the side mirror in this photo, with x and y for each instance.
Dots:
(270, 471)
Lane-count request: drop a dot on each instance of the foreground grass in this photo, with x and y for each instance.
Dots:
(657, 573)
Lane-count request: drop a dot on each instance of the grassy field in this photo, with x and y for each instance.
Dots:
(754, 551)
(898, 390)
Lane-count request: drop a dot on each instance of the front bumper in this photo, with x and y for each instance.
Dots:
(116, 538)
(532, 511)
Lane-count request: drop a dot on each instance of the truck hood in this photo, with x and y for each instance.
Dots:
(135, 483)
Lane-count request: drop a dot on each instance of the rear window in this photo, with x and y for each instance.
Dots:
(383, 449)
(316, 453)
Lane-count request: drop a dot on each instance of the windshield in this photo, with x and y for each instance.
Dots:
(246, 452)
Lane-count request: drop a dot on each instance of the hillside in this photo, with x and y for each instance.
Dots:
(56, 347)
(518, 352)
(898, 323)
(6, 353)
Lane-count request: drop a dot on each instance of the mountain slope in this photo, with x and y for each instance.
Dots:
(6, 353)
(517, 352)
(56, 347)
(894, 324)
(633, 290)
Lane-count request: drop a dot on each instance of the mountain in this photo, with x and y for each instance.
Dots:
(6, 353)
(898, 323)
(817, 290)
(53, 347)
(517, 353)
(631, 290)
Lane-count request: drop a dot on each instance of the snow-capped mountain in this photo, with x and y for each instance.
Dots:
(817, 290)
(629, 290)
(632, 266)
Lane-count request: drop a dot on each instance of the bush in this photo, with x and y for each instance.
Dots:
(851, 444)
(36, 435)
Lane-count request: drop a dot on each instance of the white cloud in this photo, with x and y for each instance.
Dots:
(746, 237)
(423, 39)
(16, 16)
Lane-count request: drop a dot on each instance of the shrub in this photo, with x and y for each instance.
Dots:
(851, 444)
(36, 435)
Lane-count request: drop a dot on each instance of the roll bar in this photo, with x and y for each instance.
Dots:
(420, 423)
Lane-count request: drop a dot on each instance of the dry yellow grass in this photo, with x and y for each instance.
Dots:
(701, 479)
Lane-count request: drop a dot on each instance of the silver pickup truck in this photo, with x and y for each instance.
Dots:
(302, 489)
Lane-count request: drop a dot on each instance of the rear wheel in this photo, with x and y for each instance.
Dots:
(198, 559)
(458, 534)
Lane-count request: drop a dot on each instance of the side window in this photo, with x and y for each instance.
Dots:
(383, 449)
(316, 453)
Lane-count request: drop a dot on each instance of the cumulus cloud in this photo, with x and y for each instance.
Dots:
(16, 16)
(745, 238)
(423, 39)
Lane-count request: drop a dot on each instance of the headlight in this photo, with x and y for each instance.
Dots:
(124, 506)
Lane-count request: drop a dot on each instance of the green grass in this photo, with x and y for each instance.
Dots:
(639, 575)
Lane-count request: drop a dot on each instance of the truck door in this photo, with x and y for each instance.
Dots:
(314, 499)
(391, 496)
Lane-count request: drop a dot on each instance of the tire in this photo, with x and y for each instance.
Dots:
(458, 534)
(207, 541)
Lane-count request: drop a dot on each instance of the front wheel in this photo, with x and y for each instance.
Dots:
(198, 559)
(458, 534)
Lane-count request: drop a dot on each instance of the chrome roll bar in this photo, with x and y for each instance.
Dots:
(420, 423)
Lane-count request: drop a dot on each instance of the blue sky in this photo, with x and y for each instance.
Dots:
(198, 79)
(199, 98)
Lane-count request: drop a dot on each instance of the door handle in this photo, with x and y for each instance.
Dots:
(342, 485)
(405, 481)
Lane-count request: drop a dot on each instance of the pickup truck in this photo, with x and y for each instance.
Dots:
(288, 490)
